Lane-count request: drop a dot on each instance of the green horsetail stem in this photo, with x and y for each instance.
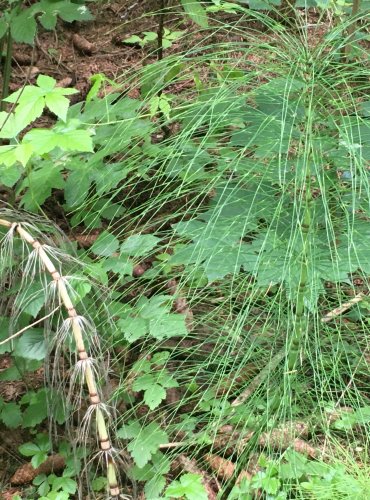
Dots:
(300, 323)
(102, 430)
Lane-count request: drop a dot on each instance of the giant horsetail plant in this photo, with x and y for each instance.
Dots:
(44, 257)
(248, 209)
(268, 160)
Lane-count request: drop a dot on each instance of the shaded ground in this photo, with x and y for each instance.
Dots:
(61, 56)
(72, 61)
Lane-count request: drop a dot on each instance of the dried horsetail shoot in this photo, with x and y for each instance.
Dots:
(74, 324)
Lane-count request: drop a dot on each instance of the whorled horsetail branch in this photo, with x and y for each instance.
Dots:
(84, 360)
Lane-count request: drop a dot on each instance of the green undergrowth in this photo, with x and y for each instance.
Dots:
(232, 217)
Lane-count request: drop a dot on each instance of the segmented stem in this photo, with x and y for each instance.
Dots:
(299, 324)
(101, 425)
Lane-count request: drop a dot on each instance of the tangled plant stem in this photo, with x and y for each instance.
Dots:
(89, 376)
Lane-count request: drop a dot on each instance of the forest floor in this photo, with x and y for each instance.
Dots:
(72, 55)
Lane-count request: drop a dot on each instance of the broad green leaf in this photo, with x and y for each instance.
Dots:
(363, 415)
(48, 20)
(108, 176)
(23, 27)
(29, 107)
(70, 12)
(80, 286)
(155, 307)
(32, 299)
(174, 35)
(133, 328)
(111, 211)
(141, 365)
(42, 140)
(99, 483)
(65, 483)
(37, 411)
(154, 395)
(166, 44)
(143, 382)
(45, 140)
(46, 82)
(10, 125)
(56, 495)
(39, 184)
(120, 265)
(196, 12)
(165, 107)
(229, 7)
(23, 153)
(7, 160)
(170, 325)
(133, 39)
(160, 358)
(12, 373)
(217, 233)
(365, 108)
(44, 486)
(77, 185)
(38, 459)
(146, 443)
(263, 4)
(65, 9)
(25, 95)
(40, 478)
(295, 467)
(31, 345)
(105, 245)
(150, 36)
(153, 385)
(139, 245)
(159, 464)
(75, 140)
(129, 431)
(154, 105)
(166, 380)
(29, 449)
(189, 486)
(154, 487)
(58, 104)
(11, 415)
(271, 485)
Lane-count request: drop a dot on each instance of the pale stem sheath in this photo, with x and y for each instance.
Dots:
(105, 444)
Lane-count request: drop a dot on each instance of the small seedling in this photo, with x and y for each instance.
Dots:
(150, 36)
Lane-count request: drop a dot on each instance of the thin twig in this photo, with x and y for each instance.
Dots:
(176, 444)
(344, 307)
(28, 327)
